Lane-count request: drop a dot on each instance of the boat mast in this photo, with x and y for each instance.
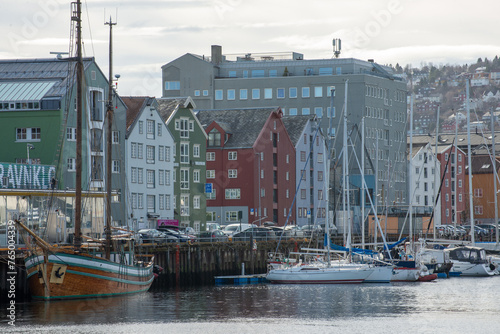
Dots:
(109, 134)
(435, 164)
(495, 175)
(79, 112)
(455, 216)
(471, 203)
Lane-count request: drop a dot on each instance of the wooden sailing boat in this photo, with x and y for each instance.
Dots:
(86, 272)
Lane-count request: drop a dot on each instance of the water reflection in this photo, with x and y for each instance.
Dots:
(415, 305)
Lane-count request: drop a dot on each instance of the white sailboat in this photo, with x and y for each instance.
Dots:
(327, 271)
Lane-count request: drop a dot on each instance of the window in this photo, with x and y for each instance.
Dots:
(205, 92)
(159, 129)
(115, 137)
(320, 157)
(139, 151)
(196, 202)
(150, 178)
(151, 203)
(478, 210)
(214, 138)
(232, 216)
(325, 71)
(161, 153)
(161, 177)
(302, 193)
(116, 166)
(302, 155)
(478, 192)
(150, 154)
(140, 201)
(133, 175)
(318, 91)
(184, 147)
(305, 92)
(293, 112)
(243, 94)
(184, 179)
(306, 111)
(210, 173)
(196, 150)
(141, 126)
(29, 134)
(71, 134)
(167, 153)
(273, 73)
(167, 202)
(233, 193)
(196, 92)
(231, 94)
(172, 85)
(184, 205)
(183, 128)
(161, 201)
(232, 74)
(140, 175)
(292, 92)
(210, 156)
(268, 93)
(233, 155)
(318, 111)
(232, 173)
(196, 175)
(133, 197)
(150, 129)
(320, 175)
(255, 93)
(280, 93)
(71, 164)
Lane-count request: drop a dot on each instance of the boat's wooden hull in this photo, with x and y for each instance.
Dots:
(65, 275)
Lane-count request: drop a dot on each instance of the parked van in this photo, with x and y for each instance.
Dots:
(235, 228)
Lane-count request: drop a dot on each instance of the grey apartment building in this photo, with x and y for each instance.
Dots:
(303, 87)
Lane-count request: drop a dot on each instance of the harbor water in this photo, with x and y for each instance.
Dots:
(454, 305)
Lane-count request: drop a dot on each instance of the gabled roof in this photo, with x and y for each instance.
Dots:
(135, 104)
(482, 164)
(39, 71)
(295, 126)
(167, 106)
(246, 124)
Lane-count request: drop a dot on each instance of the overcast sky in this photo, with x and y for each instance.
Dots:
(151, 33)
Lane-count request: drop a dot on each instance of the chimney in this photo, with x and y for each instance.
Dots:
(216, 54)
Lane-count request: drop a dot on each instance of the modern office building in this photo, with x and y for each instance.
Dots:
(299, 86)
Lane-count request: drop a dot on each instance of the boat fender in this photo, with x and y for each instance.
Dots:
(492, 266)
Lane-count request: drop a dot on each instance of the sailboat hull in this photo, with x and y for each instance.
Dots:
(318, 275)
(472, 269)
(64, 275)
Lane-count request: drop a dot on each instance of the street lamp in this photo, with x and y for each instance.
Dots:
(28, 148)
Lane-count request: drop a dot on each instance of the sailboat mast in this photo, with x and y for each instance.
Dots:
(495, 175)
(471, 203)
(79, 112)
(109, 133)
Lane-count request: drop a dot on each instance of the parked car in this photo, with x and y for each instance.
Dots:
(231, 229)
(257, 233)
(312, 230)
(480, 232)
(491, 228)
(180, 237)
(152, 235)
(213, 236)
(281, 232)
(213, 226)
(295, 231)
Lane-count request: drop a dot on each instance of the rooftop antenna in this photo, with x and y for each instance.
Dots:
(58, 54)
(336, 47)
